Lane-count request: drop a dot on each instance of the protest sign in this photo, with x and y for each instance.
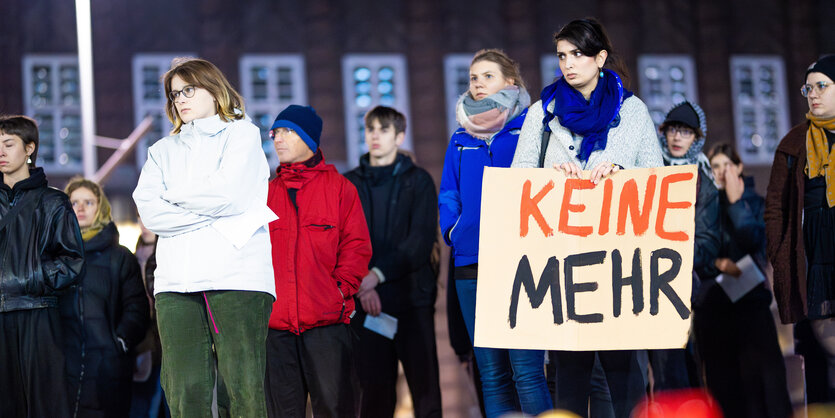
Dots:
(569, 265)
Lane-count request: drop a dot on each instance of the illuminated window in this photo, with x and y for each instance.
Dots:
(760, 102)
(666, 80)
(52, 97)
(550, 67)
(456, 81)
(368, 81)
(269, 83)
(149, 98)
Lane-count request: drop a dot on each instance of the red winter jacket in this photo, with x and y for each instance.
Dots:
(320, 251)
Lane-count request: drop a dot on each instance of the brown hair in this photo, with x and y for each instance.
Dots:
(590, 37)
(387, 116)
(508, 67)
(203, 74)
(24, 127)
(727, 150)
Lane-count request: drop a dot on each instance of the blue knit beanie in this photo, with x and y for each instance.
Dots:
(304, 121)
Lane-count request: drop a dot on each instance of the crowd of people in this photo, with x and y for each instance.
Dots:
(251, 297)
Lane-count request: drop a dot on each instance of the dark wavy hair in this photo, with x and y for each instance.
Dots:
(590, 37)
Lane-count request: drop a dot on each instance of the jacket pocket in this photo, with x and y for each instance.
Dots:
(323, 238)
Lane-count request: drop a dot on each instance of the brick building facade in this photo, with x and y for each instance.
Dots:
(708, 34)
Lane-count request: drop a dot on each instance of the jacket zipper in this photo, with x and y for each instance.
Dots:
(341, 312)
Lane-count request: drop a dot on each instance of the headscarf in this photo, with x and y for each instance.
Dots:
(483, 118)
(820, 160)
(591, 118)
(103, 216)
(694, 154)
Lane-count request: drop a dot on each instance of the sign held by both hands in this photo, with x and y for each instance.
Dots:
(566, 264)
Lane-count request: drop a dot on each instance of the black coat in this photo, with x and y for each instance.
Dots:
(403, 251)
(110, 304)
(743, 228)
(41, 251)
(708, 239)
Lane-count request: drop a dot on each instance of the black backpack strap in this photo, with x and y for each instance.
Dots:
(546, 138)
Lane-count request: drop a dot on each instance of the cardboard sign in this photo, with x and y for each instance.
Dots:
(565, 264)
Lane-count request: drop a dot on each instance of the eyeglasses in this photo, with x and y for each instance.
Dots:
(685, 133)
(817, 87)
(187, 91)
(281, 131)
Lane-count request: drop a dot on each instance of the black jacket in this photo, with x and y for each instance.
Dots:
(41, 251)
(743, 228)
(403, 250)
(109, 303)
(708, 237)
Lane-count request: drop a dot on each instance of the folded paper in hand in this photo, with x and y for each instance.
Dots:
(383, 324)
(737, 287)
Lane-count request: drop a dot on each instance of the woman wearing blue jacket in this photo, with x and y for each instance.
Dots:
(490, 113)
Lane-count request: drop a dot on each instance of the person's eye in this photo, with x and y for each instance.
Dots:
(578, 54)
(188, 90)
(560, 57)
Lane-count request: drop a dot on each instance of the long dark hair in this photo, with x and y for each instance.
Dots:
(590, 37)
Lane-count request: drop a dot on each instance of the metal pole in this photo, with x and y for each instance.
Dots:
(85, 70)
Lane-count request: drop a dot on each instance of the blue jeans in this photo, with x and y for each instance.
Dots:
(501, 368)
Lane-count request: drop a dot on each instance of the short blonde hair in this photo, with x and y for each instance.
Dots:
(203, 74)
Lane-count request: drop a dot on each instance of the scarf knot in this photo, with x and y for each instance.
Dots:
(484, 118)
(591, 118)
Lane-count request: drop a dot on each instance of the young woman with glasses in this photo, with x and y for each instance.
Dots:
(203, 190)
(800, 214)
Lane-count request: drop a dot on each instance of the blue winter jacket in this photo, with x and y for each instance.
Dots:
(459, 200)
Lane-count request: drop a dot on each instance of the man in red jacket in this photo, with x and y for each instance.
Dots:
(321, 249)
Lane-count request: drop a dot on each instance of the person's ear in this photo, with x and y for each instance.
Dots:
(601, 57)
(399, 138)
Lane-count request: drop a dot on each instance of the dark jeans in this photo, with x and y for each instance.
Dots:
(414, 346)
(744, 367)
(671, 369)
(574, 374)
(319, 362)
(32, 378)
(507, 376)
(231, 340)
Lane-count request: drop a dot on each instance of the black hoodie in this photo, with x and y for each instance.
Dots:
(41, 251)
(401, 208)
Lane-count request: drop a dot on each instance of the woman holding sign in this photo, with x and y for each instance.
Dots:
(588, 120)
(737, 339)
(490, 113)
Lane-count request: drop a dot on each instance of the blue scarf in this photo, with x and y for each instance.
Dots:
(590, 119)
